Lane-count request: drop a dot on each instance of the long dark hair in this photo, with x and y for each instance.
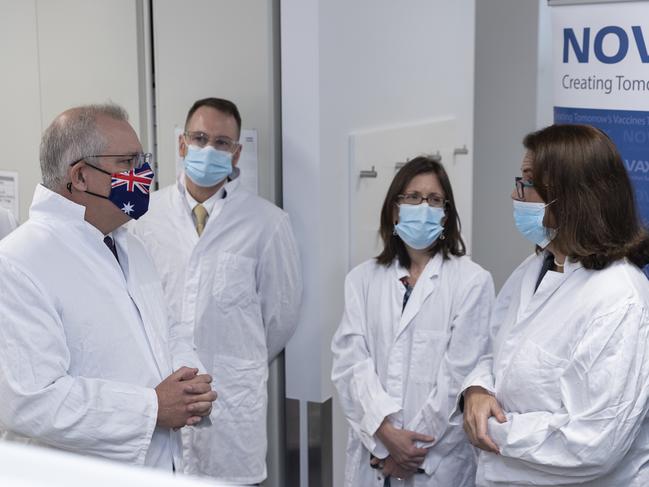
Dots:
(393, 246)
(579, 168)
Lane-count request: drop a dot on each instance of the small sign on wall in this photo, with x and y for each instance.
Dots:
(9, 199)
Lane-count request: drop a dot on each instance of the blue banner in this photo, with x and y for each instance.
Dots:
(601, 78)
(630, 132)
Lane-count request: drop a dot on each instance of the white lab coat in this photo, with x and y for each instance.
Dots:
(409, 367)
(7, 222)
(236, 291)
(83, 342)
(570, 367)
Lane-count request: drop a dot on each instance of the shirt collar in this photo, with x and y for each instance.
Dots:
(569, 265)
(432, 267)
(224, 192)
(49, 205)
(209, 203)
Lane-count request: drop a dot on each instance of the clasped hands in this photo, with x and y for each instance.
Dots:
(184, 398)
(405, 457)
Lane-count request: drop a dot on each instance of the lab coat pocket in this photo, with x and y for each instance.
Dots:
(532, 382)
(426, 353)
(234, 280)
(241, 388)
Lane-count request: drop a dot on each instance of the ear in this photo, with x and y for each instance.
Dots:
(77, 179)
(236, 156)
(182, 146)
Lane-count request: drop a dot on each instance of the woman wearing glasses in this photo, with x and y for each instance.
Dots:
(415, 323)
(562, 398)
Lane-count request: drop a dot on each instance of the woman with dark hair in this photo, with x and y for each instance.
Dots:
(562, 398)
(415, 323)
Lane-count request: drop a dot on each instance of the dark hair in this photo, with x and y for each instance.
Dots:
(393, 246)
(578, 168)
(224, 106)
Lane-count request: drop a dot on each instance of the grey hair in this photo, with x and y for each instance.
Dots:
(71, 137)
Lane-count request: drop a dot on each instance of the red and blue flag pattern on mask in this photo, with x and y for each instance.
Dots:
(130, 190)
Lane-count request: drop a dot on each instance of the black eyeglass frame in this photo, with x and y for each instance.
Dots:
(401, 197)
(521, 183)
(141, 158)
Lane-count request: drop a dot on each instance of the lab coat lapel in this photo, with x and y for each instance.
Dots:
(529, 281)
(423, 289)
(181, 207)
(137, 292)
(214, 225)
(531, 301)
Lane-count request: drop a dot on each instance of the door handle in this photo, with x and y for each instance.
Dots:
(437, 157)
(371, 173)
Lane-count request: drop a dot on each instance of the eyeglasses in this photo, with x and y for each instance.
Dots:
(521, 184)
(435, 200)
(135, 161)
(201, 139)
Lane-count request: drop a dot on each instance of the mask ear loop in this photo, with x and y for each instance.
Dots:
(69, 185)
(394, 226)
(548, 204)
(552, 232)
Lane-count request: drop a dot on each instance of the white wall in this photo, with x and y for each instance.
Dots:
(512, 79)
(57, 55)
(544, 85)
(20, 125)
(217, 48)
(346, 67)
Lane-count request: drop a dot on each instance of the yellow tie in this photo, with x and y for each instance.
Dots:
(201, 217)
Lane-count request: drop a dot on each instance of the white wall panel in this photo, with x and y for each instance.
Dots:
(506, 108)
(58, 54)
(215, 48)
(20, 123)
(88, 53)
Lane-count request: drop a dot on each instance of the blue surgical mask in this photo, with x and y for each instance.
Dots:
(528, 218)
(207, 167)
(419, 225)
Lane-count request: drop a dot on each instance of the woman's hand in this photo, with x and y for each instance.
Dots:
(479, 406)
(392, 469)
(401, 445)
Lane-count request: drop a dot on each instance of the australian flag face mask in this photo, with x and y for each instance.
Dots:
(129, 190)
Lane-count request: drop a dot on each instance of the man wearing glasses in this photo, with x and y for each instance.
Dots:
(86, 357)
(230, 271)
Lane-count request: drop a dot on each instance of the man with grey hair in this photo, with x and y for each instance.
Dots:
(86, 357)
